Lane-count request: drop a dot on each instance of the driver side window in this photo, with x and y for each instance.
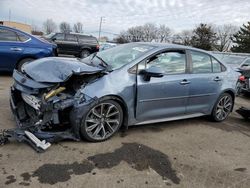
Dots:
(173, 62)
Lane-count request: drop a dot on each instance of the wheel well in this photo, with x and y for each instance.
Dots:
(27, 57)
(121, 102)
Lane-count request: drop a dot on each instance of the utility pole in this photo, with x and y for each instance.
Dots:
(9, 14)
(100, 27)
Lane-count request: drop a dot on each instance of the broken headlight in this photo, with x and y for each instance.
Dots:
(32, 101)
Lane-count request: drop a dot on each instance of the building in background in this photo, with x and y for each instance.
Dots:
(21, 26)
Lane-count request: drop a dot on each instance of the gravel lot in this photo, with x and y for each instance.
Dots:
(187, 153)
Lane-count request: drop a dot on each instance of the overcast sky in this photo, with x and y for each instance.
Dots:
(121, 14)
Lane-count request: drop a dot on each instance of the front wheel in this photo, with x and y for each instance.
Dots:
(222, 108)
(102, 121)
(84, 53)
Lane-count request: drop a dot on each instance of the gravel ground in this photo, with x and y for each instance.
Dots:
(186, 153)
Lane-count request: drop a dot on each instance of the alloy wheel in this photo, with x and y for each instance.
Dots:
(224, 107)
(102, 121)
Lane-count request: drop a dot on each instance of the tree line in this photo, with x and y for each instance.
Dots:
(49, 26)
(204, 36)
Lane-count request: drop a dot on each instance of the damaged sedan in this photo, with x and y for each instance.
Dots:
(131, 84)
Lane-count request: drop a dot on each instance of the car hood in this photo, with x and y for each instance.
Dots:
(55, 69)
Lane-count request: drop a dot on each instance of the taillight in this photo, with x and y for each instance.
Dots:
(97, 47)
(242, 78)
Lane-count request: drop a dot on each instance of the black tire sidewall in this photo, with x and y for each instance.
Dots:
(213, 115)
(83, 132)
(23, 61)
(86, 52)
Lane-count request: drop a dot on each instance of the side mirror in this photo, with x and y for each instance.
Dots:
(53, 39)
(151, 72)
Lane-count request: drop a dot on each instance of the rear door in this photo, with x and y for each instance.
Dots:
(71, 44)
(163, 97)
(205, 82)
(11, 48)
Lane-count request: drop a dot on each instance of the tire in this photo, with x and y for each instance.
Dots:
(97, 126)
(239, 86)
(23, 61)
(222, 108)
(84, 53)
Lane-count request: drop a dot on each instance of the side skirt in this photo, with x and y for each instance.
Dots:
(171, 118)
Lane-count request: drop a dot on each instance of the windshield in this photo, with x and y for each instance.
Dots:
(119, 56)
(49, 35)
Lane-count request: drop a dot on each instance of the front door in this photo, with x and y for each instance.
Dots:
(163, 97)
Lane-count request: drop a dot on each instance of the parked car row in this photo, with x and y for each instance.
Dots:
(18, 47)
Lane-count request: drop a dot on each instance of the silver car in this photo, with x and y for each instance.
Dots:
(131, 84)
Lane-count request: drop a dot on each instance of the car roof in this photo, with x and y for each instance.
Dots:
(169, 45)
(174, 46)
(79, 34)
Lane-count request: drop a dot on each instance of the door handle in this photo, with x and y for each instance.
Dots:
(184, 82)
(217, 79)
(16, 49)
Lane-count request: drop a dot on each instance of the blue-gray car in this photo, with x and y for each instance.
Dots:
(131, 84)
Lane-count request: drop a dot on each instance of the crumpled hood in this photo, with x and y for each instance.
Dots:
(56, 69)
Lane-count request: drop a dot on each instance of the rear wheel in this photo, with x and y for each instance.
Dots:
(102, 121)
(222, 108)
(22, 62)
(84, 53)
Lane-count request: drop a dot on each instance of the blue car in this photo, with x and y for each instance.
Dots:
(17, 48)
(131, 84)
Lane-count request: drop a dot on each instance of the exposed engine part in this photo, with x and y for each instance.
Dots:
(54, 92)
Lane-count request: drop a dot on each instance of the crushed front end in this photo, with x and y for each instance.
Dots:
(46, 111)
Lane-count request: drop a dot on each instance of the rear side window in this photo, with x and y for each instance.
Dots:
(217, 67)
(69, 37)
(6, 35)
(87, 39)
(246, 63)
(59, 36)
(201, 62)
(22, 37)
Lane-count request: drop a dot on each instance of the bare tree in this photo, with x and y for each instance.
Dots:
(65, 27)
(224, 34)
(183, 38)
(135, 34)
(49, 26)
(78, 27)
(122, 38)
(163, 33)
(150, 32)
